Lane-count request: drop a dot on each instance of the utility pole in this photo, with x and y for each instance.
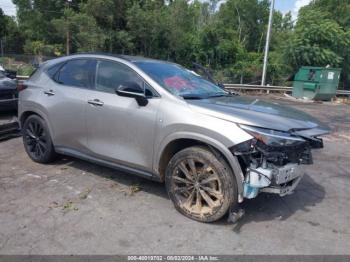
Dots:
(2, 47)
(68, 32)
(267, 46)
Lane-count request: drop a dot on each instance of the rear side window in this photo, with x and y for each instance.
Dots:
(76, 73)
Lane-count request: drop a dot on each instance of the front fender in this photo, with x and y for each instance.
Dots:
(232, 160)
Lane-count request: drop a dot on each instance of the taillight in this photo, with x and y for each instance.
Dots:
(21, 86)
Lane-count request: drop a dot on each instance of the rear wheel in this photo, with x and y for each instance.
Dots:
(200, 184)
(37, 140)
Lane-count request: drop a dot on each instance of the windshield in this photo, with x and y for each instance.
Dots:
(180, 81)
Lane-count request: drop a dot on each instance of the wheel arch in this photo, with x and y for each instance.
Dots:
(25, 114)
(177, 142)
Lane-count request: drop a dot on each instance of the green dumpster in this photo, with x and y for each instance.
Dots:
(316, 83)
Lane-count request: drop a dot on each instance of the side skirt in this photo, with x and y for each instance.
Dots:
(126, 169)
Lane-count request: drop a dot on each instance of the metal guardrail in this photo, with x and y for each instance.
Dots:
(343, 92)
(22, 77)
(257, 87)
(271, 88)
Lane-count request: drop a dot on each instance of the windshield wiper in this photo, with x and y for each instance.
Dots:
(192, 97)
(207, 95)
(219, 95)
(228, 94)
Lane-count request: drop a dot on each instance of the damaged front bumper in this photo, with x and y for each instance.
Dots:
(274, 168)
(276, 180)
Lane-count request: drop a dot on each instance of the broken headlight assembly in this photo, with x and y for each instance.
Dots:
(273, 138)
(275, 147)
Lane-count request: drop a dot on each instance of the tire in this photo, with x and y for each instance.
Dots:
(37, 141)
(189, 191)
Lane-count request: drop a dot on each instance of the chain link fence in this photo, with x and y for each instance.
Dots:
(22, 64)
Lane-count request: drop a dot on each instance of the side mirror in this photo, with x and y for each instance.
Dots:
(133, 90)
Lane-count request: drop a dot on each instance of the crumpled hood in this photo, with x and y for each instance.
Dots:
(256, 112)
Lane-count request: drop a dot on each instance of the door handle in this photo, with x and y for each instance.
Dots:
(49, 92)
(96, 102)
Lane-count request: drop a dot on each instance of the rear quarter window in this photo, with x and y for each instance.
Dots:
(35, 74)
(51, 71)
(76, 73)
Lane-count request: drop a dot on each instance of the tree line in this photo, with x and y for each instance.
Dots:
(228, 38)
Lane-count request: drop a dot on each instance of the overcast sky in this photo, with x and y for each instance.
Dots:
(291, 5)
(283, 5)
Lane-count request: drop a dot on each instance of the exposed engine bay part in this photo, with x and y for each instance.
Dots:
(283, 190)
(256, 179)
(277, 180)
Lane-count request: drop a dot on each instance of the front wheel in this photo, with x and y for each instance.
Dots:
(37, 140)
(200, 184)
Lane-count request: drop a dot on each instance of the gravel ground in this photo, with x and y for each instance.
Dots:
(74, 207)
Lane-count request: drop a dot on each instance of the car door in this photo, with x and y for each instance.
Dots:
(119, 129)
(66, 105)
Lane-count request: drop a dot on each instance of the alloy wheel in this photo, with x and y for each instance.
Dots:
(35, 139)
(197, 187)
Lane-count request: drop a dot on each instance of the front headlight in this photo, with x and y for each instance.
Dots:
(272, 137)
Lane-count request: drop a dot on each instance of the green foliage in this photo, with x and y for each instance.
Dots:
(317, 41)
(22, 69)
(84, 33)
(13, 39)
(249, 18)
(146, 25)
(229, 39)
(3, 24)
(25, 70)
(336, 10)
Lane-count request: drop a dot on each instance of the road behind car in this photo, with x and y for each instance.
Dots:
(75, 207)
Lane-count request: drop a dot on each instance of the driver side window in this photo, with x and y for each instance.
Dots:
(110, 75)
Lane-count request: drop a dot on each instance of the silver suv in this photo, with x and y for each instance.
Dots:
(164, 122)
